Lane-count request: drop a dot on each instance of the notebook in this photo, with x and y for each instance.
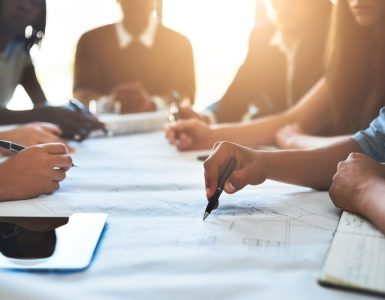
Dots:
(356, 259)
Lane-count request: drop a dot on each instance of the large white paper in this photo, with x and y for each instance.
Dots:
(266, 242)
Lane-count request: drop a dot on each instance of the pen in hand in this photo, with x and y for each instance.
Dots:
(78, 106)
(225, 174)
(174, 107)
(13, 147)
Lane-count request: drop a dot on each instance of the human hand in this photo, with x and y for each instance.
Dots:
(187, 112)
(74, 124)
(358, 184)
(34, 171)
(33, 134)
(190, 135)
(251, 167)
(286, 137)
(132, 98)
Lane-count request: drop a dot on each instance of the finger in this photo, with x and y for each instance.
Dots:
(47, 137)
(51, 128)
(184, 142)
(185, 125)
(55, 148)
(213, 166)
(216, 145)
(63, 162)
(171, 136)
(52, 187)
(58, 175)
(69, 148)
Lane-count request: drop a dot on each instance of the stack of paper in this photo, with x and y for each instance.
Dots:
(133, 123)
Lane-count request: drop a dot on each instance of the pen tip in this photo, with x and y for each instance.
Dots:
(205, 216)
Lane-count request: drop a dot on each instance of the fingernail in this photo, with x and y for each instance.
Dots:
(207, 191)
(229, 187)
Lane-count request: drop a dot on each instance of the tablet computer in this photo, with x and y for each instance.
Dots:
(50, 243)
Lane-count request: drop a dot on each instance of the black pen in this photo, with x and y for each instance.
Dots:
(225, 174)
(81, 108)
(13, 147)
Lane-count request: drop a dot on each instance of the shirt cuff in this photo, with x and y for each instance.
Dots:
(102, 105)
(160, 103)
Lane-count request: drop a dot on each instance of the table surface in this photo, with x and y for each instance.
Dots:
(265, 242)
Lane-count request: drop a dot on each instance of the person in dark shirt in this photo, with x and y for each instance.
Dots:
(22, 26)
(134, 64)
(343, 101)
(276, 72)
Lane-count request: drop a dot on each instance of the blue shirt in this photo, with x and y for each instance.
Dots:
(372, 140)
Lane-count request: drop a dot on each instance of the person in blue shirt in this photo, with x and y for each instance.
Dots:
(352, 170)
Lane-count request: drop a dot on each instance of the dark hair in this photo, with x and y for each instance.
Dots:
(350, 69)
(37, 30)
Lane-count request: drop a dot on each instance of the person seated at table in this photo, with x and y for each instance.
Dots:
(342, 102)
(357, 187)
(275, 74)
(22, 25)
(34, 171)
(134, 64)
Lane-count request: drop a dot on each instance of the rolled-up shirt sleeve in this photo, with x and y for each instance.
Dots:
(372, 140)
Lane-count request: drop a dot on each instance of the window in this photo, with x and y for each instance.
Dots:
(218, 31)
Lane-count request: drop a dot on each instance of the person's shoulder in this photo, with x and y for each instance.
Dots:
(263, 29)
(173, 35)
(99, 33)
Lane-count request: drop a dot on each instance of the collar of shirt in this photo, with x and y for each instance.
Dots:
(147, 38)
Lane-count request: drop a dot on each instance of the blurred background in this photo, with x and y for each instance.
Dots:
(217, 29)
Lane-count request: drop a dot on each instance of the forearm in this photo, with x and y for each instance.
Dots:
(8, 117)
(303, 141)
(312, 168)
(259, 132)
(32, 86)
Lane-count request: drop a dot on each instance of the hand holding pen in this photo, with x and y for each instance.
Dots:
(230, 168)
(176, 101)
(16, 148)
(93, 122)
(33, 171)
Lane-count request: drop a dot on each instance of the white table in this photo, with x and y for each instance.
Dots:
(266, 242)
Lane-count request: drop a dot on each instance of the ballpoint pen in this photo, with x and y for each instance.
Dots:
(174, 108)
(15, 147)
(78, 106)
(225, 174)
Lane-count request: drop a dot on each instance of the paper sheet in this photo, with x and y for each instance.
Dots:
(357, 256)
(157, 244)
